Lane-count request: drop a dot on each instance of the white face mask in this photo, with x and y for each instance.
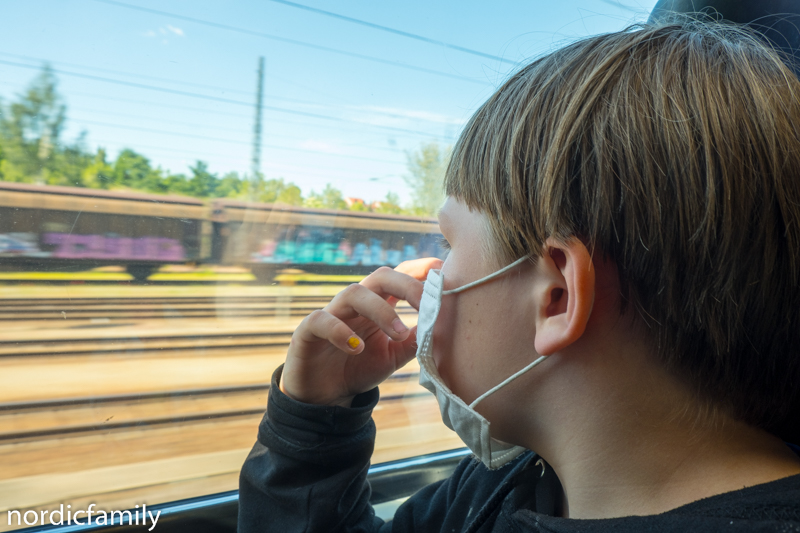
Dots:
(457, 415)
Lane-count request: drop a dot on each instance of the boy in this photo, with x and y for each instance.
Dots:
(621, 296)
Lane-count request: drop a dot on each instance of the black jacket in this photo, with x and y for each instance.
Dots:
(307, 473)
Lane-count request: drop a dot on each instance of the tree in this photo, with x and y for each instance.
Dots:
(329, 198)
(391, 205)
(202, 184)
(30, 130)
(3, 160)
(133, 171)
(98, 174)
(359, 206)
(271, 191)
(175, 184)
(426, 169)
(290, 194)
(65, 164)
(230, 186)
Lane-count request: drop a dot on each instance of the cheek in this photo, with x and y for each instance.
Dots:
(478, 342)
(460, 349)
(443, 335)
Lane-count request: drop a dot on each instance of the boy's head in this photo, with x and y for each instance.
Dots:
(673, 151)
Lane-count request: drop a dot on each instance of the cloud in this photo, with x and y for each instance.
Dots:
(162, 31)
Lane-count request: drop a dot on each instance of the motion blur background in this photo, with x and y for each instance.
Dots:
(128, 378)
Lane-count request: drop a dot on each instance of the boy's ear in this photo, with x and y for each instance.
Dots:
(564, 292)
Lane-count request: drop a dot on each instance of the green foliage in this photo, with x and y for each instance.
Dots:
(65, 165)
(426, 169)
(98, 174)
(329, 198)
(2, 153)
(290, 195)
(270, 191)
(203, 184)
(32, 151)
(133, 171)
(391, 205)
(230, 186)
(359, 206)
(30, 130)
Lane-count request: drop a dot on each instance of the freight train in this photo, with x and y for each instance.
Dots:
(48, 228)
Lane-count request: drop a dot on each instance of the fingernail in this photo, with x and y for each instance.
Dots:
(398, 326)
(353, 342)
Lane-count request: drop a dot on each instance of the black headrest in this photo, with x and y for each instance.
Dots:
(777, 20)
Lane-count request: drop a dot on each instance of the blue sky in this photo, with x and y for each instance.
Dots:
(178, 90)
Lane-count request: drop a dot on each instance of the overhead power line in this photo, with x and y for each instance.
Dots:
(216, 128)
(290, 41)
(211, 98)
(410, 134)
(212, 87)
(396, 31)
(620, 5)
(229, 141)
(123, 73)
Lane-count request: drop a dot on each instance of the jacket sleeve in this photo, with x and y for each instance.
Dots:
(307, 471)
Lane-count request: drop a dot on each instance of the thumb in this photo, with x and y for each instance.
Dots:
(418, 268)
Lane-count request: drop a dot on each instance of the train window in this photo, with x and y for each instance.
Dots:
(181, 183)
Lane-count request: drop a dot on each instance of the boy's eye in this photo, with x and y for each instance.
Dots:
(443, 242)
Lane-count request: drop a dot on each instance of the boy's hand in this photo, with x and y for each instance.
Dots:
(357, 340)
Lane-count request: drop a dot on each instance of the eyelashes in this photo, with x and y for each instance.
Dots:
(442, 242)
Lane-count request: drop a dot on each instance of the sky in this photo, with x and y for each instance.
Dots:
(345, 101)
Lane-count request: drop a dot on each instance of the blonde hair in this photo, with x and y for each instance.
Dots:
(674, 150)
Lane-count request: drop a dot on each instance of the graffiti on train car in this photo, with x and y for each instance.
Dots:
(21, 245)
(331, 248)
(94, 246)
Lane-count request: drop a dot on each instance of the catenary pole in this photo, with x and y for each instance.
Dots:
(256, 161)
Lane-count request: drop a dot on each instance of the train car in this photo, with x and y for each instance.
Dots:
(268, 238)
(46, 228)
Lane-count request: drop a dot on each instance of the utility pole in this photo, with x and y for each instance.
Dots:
(256, 161)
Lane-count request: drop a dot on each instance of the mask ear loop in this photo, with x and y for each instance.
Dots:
(486, 278)
(507, 381)
(478, 282)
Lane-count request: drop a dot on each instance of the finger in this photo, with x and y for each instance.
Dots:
(418, 268)
(387, 282)
(357, 300)
(321, 325)
(404, 351)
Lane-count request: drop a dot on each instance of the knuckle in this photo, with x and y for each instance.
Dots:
(352, 289)
(384, 270)
(315, 317)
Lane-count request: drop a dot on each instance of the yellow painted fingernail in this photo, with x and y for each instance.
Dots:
(353, 342)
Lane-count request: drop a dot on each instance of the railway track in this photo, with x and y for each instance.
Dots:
(158, 397)
(53, 418)
(131, 345)
(163, 308)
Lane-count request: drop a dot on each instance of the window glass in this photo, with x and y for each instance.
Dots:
(182, 182)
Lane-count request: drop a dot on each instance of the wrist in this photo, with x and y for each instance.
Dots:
(338, 402)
